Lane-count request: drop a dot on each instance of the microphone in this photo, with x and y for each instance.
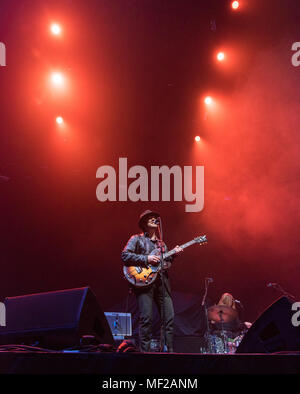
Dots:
(209, 280)
(272, 284)
(238, 302)
(156, 221)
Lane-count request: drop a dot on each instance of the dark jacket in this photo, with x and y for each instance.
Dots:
(137, 249)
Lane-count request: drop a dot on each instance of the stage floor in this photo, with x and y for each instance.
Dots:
(147, 363)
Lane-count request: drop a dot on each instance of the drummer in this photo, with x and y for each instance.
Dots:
(229, 319)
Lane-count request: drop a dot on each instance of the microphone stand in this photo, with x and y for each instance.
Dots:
(277, 287)
(207, 331)
(164, 347)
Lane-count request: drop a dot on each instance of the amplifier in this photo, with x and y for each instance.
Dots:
(120, 324)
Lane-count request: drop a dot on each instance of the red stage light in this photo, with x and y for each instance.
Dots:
(55, 29)
(208, 100)
(59, 120)
(197, 138)
(235, 5)
(221, 56)
(57, 78)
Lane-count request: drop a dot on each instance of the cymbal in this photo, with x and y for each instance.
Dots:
(222, 313)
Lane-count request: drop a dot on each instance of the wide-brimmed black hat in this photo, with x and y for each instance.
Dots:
(145, 216)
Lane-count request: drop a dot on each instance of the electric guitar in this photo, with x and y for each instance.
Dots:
(144, 276)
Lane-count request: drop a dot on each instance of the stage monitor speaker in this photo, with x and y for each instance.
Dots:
(56, 319)
(273, 331)
(189, 344)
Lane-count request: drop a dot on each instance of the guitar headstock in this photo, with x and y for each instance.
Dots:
(201, 239)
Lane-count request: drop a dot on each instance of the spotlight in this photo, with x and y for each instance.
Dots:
(221, 56)
(59, 120)
(197, 138)
(57, 78)
(55, 29)
(235, 5)
(208, 100)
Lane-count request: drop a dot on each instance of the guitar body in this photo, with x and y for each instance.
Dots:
(145, 276)
(142, 276)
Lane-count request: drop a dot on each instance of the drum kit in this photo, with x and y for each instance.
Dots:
(222, 341)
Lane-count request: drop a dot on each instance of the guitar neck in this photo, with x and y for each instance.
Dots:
(183, 246)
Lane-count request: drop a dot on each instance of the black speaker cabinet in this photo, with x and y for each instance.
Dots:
(189, 344)
(273, 331)
(55, 319)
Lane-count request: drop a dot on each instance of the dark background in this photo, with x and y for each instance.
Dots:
(137, 73)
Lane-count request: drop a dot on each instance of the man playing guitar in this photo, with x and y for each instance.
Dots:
(137, 253)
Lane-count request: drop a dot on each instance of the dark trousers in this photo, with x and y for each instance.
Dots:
(145, 298)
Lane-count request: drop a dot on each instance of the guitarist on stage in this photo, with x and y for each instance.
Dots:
(137, 253)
